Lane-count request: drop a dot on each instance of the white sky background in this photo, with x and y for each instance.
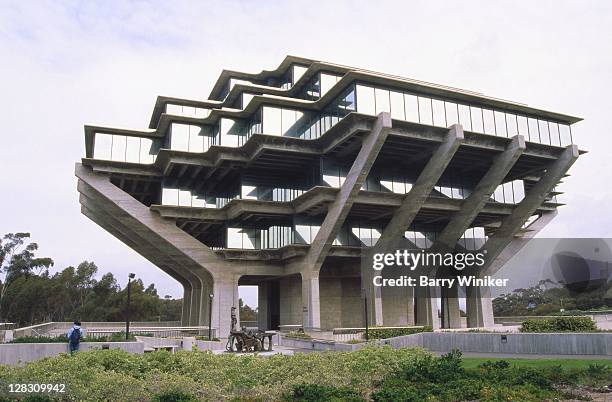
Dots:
(65, 64)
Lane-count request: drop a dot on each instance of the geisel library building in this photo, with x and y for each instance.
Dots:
(281, 180)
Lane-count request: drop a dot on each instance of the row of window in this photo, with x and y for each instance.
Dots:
(281, 236)
(121, 148)
(437, 112)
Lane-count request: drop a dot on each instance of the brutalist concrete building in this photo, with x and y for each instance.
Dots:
(281, 179)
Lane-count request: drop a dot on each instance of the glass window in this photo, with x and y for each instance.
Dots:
(246, 98)
(234, 238)
(382, 100)
(118, 151)
(564, 132)
(184, 198)
(397, 105)
(146, 151)
(452, 114)
(554, 133)
(169, 196)
(298, 72)
(179, 137)
(132, 153)
(544, 133)
(411, 108)
(365, 100)
(287, 121)
(327, 82)
(534, 135)
(489, 121)
(196, 139)
(271, 120)
(464, 117)
(476, 116)
(103, 144)
(425, 112)
(500, 124)
(198, 202)
(511, 125)
(523, 128)
(439, 115)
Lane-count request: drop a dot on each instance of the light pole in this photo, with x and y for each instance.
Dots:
(365, 310)
(210, 296)
(127, 313)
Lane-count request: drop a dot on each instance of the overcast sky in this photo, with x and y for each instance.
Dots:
(66, 64)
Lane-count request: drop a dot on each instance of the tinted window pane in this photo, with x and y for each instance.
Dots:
(566, 138)
(554, 133)
(476, 115)
(397, 105)
(452, 116)
(439, 115)
(500, 124)
(425, 113)
(271, 119)
(365, 100)
(103, 145)
(411, 107)
(511, 124)
(118, 152)
(534, 134)
(522, 126)
(489, 121)
(544, 133)
(132, 153)
(382, 100)
(464, 117)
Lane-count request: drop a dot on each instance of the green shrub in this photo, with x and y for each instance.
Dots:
(391, 332)
(560, 324)
(297, 335)
(174, 396)
(114, 337)
(316, 393)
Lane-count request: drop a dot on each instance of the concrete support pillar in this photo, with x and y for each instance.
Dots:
(185, 314)
(225, 296)
(451, 313)
(262, 306)
(195, 307)
(479, 307)
(426, 307)
(311, 301)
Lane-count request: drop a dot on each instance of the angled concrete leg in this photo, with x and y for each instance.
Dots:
(311, 302)
(426, 307)
(451, 313)
(185, 313)
(479, 307)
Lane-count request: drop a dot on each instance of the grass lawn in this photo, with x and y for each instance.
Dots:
(472, 362)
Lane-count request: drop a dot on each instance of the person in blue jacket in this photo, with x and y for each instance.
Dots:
(74, 337)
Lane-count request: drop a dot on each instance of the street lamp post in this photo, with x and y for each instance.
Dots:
(127, 314)
(365, 310)
(210, 296)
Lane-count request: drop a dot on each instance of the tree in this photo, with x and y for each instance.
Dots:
(18, 262)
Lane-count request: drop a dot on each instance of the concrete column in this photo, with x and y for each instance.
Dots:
(225, 296)
(195, 307)
(311, 301)
(185, 314)
(451, 313)
(479, 307)
(426, 307)
(262, 306)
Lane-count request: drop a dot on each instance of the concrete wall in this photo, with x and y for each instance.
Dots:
(341, 303)
(291, 300)
(18, 353)
(553, 344)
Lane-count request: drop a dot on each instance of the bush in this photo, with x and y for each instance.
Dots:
(392, 332)
(560, 324)
(297, 335)
(174, 396)
(316, 393)
(115, 337)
